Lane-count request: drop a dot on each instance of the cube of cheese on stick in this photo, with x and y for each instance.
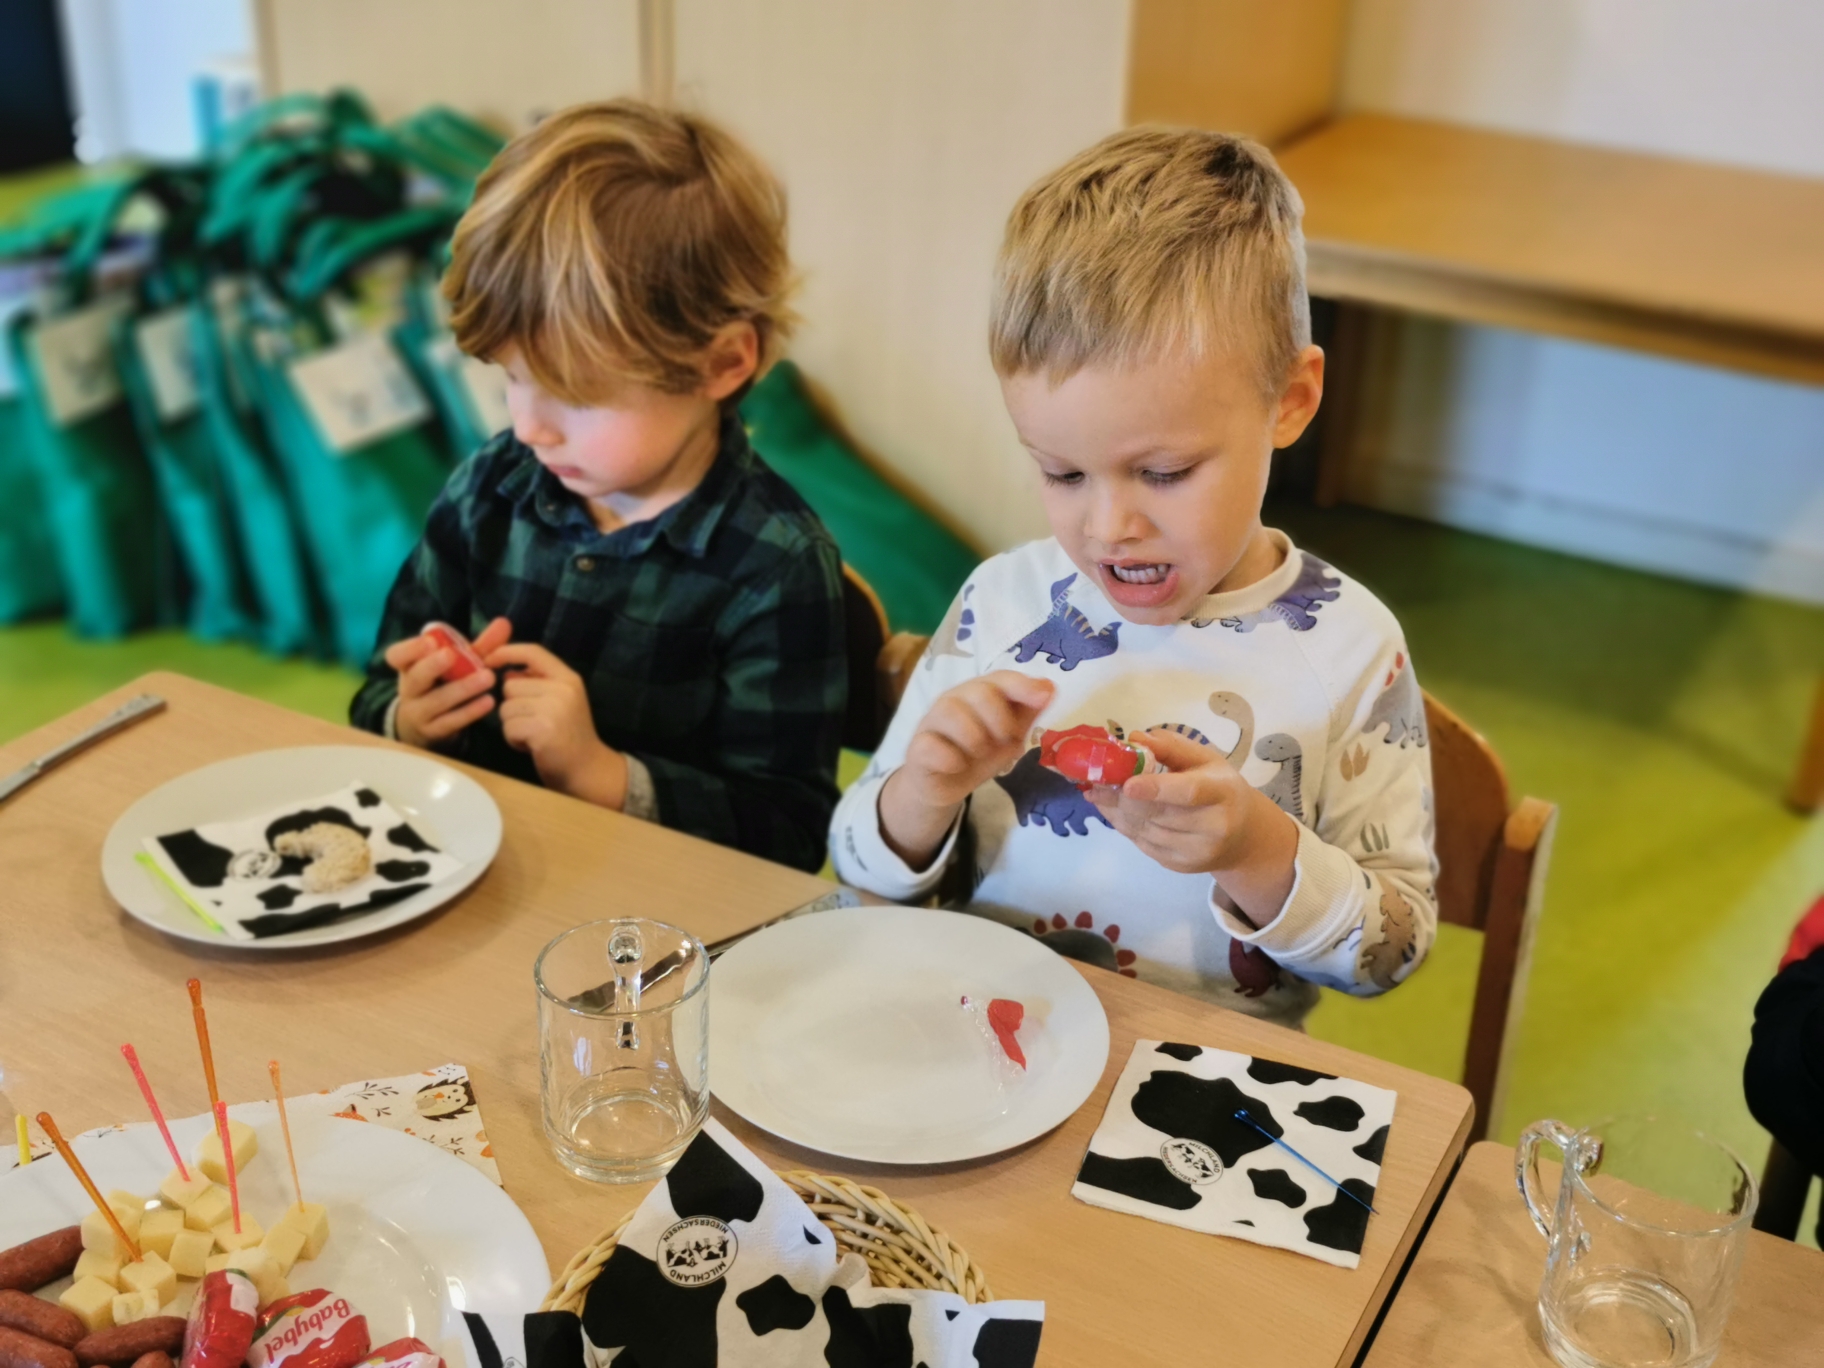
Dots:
(182, 1191)
(151, 1275)
(99, 1236)
(96, 1263)
(241, 1138)
(284, 1243)
(93, 1302)
(209, 1210)
(123, 1201)
(249, 1235)
(157, 1229)
(310, 1218)
(189, 1252)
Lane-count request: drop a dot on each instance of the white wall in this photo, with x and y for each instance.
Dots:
(904, 132)
(1704, 473)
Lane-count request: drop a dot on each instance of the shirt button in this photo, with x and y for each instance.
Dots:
(585, 563)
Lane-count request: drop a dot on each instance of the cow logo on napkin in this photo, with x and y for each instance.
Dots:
(696, 1251)
(1171, 1132)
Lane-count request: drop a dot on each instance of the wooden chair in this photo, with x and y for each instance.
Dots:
(1492, 860)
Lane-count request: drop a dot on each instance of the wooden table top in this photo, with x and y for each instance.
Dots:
(1471, 1295)
(1711, 263)
(456, 986)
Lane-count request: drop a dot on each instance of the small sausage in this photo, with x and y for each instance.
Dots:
(36, 1316)
(29, 1266)
(120, 1346)
(158, 1358)
(20, 1350)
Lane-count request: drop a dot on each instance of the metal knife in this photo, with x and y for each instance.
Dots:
(130, 711)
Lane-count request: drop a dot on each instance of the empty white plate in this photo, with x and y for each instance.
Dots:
(844, 1032)
(446, 806)
(416, 1236)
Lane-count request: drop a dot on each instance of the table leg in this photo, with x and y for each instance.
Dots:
(1345, 363)
(1807, 790)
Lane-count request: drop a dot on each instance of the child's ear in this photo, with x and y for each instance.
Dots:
(1298, 401)
(730, 360)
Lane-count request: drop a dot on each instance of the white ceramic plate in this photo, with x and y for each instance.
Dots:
(844, 1032)
(416, 1236)
(448, 807)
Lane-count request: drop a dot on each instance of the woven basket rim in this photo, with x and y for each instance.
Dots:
(901, 1249)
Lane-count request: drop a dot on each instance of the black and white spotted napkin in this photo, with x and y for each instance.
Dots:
(1169, 1147)
(230, 875)
(724, 1265)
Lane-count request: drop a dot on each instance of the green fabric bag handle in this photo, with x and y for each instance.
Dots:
(331, 256)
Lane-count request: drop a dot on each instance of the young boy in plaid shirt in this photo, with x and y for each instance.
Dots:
(664, 610)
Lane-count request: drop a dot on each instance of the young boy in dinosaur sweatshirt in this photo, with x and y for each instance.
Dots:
(1152, 335)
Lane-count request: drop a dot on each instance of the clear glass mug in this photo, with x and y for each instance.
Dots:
(1646, 1241)
(623, 1017)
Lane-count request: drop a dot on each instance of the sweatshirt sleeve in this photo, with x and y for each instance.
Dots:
(1362, 913)
(860, 854)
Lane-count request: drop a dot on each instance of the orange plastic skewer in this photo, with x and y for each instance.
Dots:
(234, 1186)
(49, 1127)
(278, 1091)
(145, 1090)
(202, 1039)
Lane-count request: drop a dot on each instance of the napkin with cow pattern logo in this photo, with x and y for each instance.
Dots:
(1170, 1148)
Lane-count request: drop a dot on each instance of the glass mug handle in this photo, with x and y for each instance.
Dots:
(1526, 1167)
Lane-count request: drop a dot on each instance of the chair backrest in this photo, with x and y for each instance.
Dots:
(865, 622)
(1469, 790)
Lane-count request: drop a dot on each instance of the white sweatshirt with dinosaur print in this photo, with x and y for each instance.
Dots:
(1302, 680)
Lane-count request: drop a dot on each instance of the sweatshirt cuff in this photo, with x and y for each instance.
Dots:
(1321, 901)
(876, 867)
(642, 800)
(389, 723)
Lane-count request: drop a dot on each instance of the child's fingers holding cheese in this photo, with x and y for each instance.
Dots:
(430, 710)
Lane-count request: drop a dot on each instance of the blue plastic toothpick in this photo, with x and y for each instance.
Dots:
(1241, 1115)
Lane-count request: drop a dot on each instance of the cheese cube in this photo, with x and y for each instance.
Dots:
(310, 1218)
(94, 1263)
(122, 1200)
(249, 1235)
(132, 1306)
(151, 1275)
(209, 1210)
(158, 1228)
(215, 1263)
(99, 1236)
(93, 1302)
(244, 1143)
(262, 1269)
(284, 1243)
(189, 1252)
(181, 1191)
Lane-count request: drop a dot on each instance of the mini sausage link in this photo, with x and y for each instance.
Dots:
(122, 1345)
(36, 1316)
(156, 1359)
(20, 1350)
(29, 1266)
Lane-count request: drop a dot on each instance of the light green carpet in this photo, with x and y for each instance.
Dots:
(1662, 717)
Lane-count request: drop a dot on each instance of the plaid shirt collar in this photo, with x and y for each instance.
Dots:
(688, 524)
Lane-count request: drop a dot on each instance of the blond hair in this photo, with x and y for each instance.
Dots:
(611, 243)
(1154, 241)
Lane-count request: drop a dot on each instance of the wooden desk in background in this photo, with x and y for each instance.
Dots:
(1713, 264)
(1471, 1294)
(78, 976)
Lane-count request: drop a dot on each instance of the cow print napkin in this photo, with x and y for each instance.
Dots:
(1169, 1147)
(723, 1264)
(230, 874)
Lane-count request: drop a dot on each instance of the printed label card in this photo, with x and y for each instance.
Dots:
(76, 360)
(359, 392)
(168, 352)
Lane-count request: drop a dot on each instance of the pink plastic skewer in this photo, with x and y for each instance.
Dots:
(145, 1091)
(234, 1187)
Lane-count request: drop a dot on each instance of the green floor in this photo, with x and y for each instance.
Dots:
(1662, 717)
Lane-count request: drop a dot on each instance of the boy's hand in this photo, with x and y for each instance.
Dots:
(430, 711)
(1203, 818)
(972, 733)
(546, 713)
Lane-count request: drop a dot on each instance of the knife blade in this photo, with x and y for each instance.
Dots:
(126, 714)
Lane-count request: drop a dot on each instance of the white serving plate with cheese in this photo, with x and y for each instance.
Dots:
(416, 1236)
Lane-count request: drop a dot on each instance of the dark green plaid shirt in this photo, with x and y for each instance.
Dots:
(710, 638)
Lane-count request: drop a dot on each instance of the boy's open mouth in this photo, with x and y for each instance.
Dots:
(1139, 584)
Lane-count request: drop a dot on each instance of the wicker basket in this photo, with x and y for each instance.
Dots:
(900, 1249)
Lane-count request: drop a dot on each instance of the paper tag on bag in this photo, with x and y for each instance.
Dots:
(483, 385)
(359, 392)
(168, 353)
(76, 360)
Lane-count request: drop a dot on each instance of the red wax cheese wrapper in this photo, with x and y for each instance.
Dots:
(1089, 755)
(1005, 1016)
(315, 1329)
(222, 1321)
(448, 638)
(404, 1353)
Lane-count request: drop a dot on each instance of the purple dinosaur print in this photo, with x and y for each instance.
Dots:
(1042, 796)
(1313, 588)
(1065, 638)
(1400, 708)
